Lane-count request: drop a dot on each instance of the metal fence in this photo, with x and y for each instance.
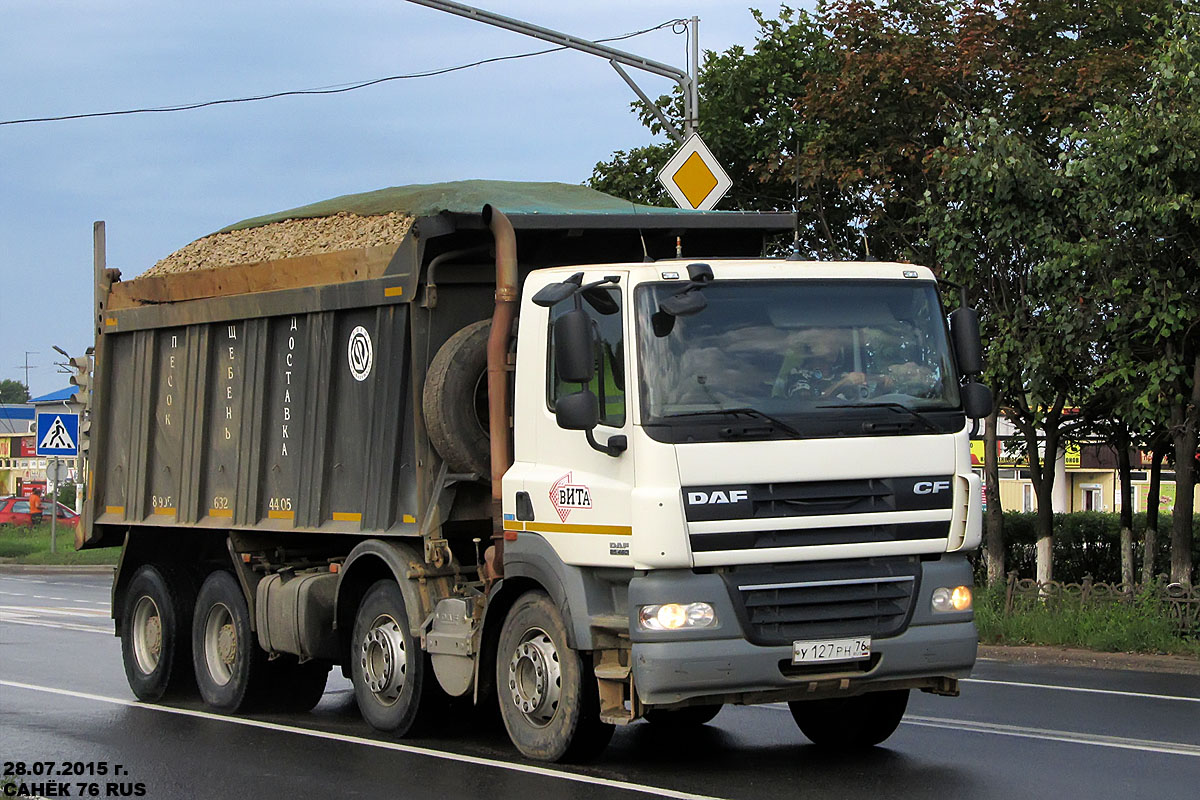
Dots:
(1180, 603)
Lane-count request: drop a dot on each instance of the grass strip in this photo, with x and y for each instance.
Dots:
(20, 545)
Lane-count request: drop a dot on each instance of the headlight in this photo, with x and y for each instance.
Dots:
(955, 599)
(674, 616)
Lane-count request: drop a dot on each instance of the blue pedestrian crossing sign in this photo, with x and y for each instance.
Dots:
(57, 434)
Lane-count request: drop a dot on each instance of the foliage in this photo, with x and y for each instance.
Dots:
(1138, 171)
(13, 392)
(1141, 626)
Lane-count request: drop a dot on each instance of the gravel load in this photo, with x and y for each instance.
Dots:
(293, 237)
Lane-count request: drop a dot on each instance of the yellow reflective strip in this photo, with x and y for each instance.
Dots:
(410, 519)
(510, 525)
(281, 515)
(554, 527)
(220, 512)
(346, 516)
(393, 291)
(165, 512)
(115, 510)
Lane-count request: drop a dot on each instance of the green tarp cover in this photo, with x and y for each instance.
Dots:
(465, 197)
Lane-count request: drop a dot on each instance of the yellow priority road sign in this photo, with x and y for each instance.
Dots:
(693, 177)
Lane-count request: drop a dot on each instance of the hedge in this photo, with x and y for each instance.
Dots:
(1086, 543)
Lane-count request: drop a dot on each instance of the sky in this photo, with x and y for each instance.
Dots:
(160, 180)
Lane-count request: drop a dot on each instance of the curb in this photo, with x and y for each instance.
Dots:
(57, 569)
(1043, 655)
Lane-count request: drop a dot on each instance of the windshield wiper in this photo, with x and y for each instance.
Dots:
(747, 411)
(917, 415)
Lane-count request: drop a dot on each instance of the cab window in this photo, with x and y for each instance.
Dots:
(603, 307)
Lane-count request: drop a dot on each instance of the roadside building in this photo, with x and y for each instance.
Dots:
(20, 468)
(1086, 477)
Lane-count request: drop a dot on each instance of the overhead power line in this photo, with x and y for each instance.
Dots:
(336, 89)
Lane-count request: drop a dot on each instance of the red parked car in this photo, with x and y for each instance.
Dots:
(15, 511)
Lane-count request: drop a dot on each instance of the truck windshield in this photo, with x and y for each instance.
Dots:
(829, 357)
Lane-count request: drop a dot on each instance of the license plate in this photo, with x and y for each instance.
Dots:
(831, 650)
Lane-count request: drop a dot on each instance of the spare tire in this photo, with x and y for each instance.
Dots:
(455, 400)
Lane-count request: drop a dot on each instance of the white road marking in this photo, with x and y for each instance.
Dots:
(546, 772)
(65, 626)
(1113, 692)
(1044, 734)
(103, 603)
(57, 611)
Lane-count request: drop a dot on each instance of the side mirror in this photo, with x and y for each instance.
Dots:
(574, 347)
(964, 331)
(976, 399)
(684, 304)
(579, 411)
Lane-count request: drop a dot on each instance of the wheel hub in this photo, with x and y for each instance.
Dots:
(147, 634)
(384, 660)
(534, 677)
(227, 644)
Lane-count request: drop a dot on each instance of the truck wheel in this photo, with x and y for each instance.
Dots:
(455, 400)
(156, 614)
(547, 691)
(230, 666)
(851, 722)
(393, 679)
(295, 687)
(686, 717)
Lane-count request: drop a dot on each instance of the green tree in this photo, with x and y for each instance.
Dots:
(13, 392)
(1140, 174)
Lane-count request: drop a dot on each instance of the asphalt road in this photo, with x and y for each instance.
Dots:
(1017, 730)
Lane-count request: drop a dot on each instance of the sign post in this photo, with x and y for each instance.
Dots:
(57, 435)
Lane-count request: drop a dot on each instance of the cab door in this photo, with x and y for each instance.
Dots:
(579, 496)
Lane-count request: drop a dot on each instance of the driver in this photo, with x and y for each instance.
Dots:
(819, 363)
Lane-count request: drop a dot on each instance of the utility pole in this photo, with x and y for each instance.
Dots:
(28, 367)
(616, 58)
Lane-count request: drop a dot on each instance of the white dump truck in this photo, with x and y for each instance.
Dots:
(585, 461)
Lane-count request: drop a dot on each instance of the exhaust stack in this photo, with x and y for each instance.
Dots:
(497, 369)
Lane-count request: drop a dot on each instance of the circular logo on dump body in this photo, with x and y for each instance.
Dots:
(358, 353)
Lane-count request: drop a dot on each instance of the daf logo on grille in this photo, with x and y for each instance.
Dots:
(931, 487)
(717, 498)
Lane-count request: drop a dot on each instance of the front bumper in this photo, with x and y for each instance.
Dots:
(721, 664)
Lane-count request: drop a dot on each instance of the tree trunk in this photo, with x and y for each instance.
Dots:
(1126, 474)
(994, 519)
(1158, 453)
(1043, 487)
(1184, 433)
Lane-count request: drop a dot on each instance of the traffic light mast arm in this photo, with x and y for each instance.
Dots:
(613, 55)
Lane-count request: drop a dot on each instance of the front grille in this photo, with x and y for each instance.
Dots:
(809, 537)
(783, 603)
(817, 498)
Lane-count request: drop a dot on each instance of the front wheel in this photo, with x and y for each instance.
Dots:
(547, 692)
(851, 722)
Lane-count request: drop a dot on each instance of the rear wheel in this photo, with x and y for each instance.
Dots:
(687, 717)
(292, 686)
(393, 681)
(156, 615)
(547, 691)
(230, 666)
(851, 722)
